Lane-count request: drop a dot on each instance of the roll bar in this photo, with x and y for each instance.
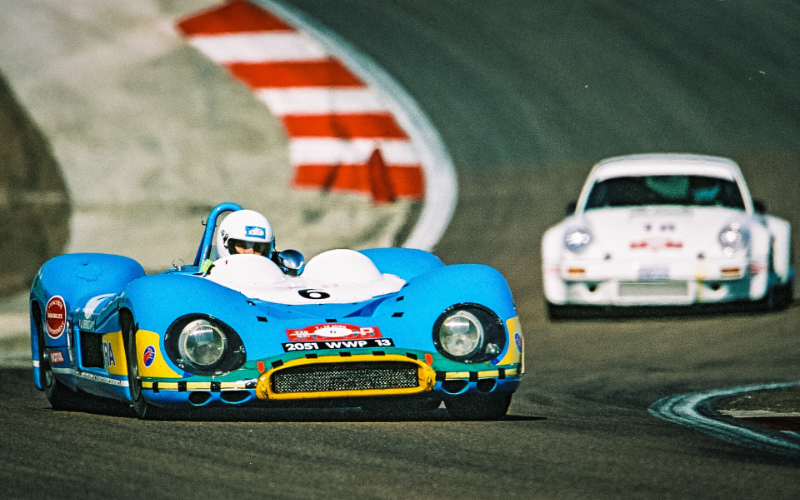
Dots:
(208, 235)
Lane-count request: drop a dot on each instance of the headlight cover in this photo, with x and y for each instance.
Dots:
(461, 334)
(733, 237)
(577, 239)
(203, 345)
(469, 333)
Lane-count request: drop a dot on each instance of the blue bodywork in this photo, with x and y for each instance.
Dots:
(99, 289)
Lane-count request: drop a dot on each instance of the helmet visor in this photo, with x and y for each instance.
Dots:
(241, 246)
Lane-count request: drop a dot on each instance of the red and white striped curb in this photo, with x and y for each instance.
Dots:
(342, 135)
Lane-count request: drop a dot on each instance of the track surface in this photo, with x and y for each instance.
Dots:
(526, 95)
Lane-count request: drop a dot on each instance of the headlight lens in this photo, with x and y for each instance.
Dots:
(733, 237)
(461, 334)
(202, 343)
(577, 239)
(469, 333)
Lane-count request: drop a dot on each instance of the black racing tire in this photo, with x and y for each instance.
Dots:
(479, 406)
(141, 407)
(779, 297)
(556, 312)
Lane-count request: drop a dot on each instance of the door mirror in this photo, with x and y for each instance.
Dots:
(292, 262)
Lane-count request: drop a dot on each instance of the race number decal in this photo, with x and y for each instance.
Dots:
(314, 294)
(55, 317)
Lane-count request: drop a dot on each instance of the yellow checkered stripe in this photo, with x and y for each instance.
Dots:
(198, 386)
(511, 372)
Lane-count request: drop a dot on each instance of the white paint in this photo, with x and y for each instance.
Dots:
(91, 306)
(332, 151)
(683, 409)
(334, 277)
(259, 47)
(758, 414)
(320, 100)
(91, 376)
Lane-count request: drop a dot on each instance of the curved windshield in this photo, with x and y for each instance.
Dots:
(694, 190)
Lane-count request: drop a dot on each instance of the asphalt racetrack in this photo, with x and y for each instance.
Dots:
(526, 95)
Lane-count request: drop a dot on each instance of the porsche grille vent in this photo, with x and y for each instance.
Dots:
(345, 377)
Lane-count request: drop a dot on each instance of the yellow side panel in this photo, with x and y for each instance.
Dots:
(114, 354)
(515, 352)
(149, 353)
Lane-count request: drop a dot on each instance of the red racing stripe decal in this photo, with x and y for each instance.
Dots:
(374, 125)
(238, 16)
(342, 137)
(329, 73)
(405, 181)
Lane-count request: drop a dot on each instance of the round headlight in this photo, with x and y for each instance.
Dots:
(202, 343)
(733, 237)
(577, 239)
(461, 334)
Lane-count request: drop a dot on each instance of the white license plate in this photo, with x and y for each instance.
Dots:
(651, 273)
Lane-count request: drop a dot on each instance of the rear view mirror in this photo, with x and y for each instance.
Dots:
(292, 262)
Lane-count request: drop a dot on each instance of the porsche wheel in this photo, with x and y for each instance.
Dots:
(779, 297)
(141, 407)
(478, 407)
(559, 312)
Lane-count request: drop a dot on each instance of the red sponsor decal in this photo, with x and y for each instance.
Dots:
(55, 316)
(333, 331)
(656, 244)
(56, 357)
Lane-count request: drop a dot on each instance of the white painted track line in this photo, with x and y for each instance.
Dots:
(683, 409)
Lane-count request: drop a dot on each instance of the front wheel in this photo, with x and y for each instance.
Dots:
(140, 406)
(478, 407)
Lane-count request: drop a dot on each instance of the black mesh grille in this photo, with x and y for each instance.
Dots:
(345, 377)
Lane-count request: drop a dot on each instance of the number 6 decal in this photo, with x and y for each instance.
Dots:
(314, 294)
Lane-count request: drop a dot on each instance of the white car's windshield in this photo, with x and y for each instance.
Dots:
(693, 190)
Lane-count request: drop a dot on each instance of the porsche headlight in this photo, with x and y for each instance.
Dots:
(202, 343)
(733, 237)
(577, 239)
(469, 333)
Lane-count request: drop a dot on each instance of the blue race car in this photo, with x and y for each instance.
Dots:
(391, 330)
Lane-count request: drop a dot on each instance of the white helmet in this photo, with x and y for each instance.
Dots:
(247, 230)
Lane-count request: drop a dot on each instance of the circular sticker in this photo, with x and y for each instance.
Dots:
(55, 316)
(149, 356)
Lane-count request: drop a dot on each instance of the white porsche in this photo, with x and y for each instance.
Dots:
(666, 230)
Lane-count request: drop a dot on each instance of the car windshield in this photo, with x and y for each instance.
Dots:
(693, 190)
